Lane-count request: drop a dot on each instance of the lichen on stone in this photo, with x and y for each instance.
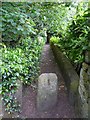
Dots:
(84, 88)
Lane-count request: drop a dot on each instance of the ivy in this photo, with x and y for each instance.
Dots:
(15, 23)
(19, 63)
(20, 49)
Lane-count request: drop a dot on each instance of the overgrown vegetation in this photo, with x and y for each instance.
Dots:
(16, 24)
(19, 63)
(21, 51)
(24, 25)
(74, 41)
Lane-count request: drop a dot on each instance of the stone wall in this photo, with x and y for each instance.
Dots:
(84, 86)
(69, 74)
(78, 87)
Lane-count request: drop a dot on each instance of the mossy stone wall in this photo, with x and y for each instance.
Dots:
(70, 76)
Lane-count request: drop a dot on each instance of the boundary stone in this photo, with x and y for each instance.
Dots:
(47, 91)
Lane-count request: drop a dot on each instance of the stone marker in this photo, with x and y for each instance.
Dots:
(47, 91)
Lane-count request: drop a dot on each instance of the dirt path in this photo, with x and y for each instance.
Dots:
(63, 108)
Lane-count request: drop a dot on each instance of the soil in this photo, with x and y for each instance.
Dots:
(63, 109)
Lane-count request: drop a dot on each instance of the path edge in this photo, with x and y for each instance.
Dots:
(70, 76)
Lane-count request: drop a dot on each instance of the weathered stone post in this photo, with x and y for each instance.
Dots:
(47, 91)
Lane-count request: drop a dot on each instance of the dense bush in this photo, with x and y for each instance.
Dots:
(19, 63)
(15, 23)
(55, 40)
(20, 49)
(74, 42)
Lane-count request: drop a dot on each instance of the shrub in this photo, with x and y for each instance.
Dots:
(74, 41)
(19, 63)
(15, 24)
(55, 40)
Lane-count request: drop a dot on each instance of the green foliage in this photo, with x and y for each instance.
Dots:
(20, 49)
(20, 63)
(77, 36)
(55, 40)
(21, 22)
(47, 15)
(15, 24)
(74, 41)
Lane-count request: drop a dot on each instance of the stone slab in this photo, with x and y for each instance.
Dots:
(47, 91)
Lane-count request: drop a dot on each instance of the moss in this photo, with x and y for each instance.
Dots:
(74, 85)
(85, 66)
(85, 75)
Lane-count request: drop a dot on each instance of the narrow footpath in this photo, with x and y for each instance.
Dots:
(63, 109)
